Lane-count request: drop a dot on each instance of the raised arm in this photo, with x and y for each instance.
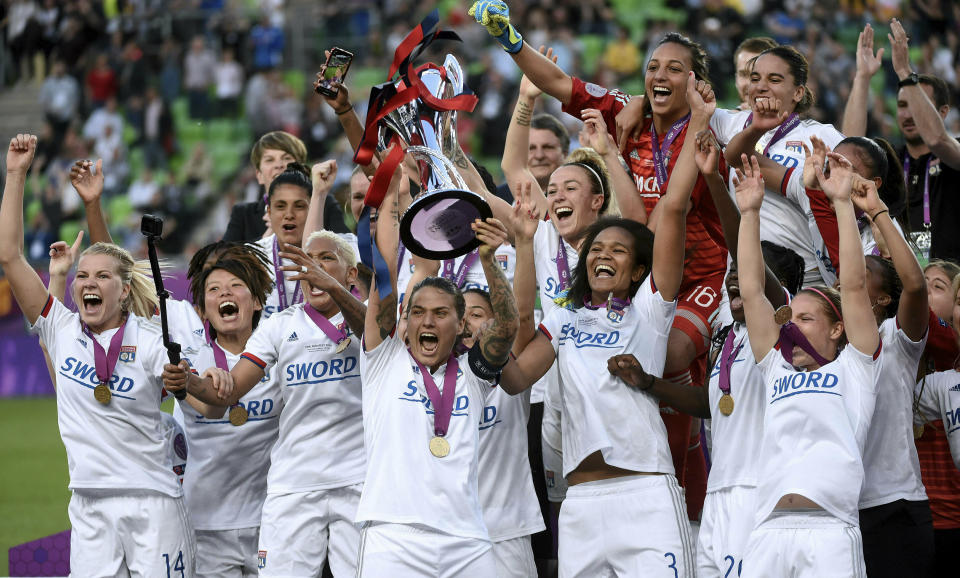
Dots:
(758, 311)
(766, 117)
(928, 118)
(912, 312)
(595, 136)
(868, 63)
(668, 243)
(347, 116)
(323, 175)
(494, 15)
(87, 180)
(533, 350)
(381, 316)
(27, 286)
(707, 157)
(497, 339)
(859, 321)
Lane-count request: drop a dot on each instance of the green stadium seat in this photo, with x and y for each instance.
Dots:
(69, 231)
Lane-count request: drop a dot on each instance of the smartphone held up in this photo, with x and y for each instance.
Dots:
(333, 72)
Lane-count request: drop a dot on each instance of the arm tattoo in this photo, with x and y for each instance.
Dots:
(460, 159)
(497, 341)
(524, 112)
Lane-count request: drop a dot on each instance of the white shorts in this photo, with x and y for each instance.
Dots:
(799, 545)
(727, 520)
(630, 526)
(297, 531)
(227, 553)
(514, 558)
(132, 534)
(415, 551)
(551, 439)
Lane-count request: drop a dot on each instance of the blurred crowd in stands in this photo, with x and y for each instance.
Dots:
(171, 94)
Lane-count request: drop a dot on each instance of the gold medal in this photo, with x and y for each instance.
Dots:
(102, 394)
(238, 415)
(783, 315)
(917, 431)
(726, 404)
(343, 344)
(439, 447)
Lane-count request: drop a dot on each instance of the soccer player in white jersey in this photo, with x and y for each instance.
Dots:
(819, 401)
(507, 496)
(420, 505)
(780, 74)
(938, 394)
(317, 464)
(127, 508)
(225, 496)
(615, 452)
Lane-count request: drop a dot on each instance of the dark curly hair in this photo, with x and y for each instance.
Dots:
(642, 254)
(247, 262)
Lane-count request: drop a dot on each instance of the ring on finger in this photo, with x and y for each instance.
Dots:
(303, 269)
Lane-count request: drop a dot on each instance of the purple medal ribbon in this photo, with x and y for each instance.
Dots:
(790, 336)
(614, 303)
(727, 357)
(926, 187)
(793, 119)
(329, 329)
(219, 357)
(442, 402)
(563, 267)
(659, 162)
(281, 280)
(106, 361)
(465, 265)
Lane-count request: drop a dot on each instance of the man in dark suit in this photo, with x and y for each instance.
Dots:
(270, 157)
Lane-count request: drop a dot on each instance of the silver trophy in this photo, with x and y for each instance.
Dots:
(436, 225)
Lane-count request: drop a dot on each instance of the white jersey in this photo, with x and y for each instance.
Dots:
(736, 443)
(223, 491)
(600, 413)
(183, 322)
(814, 428)
(405, 483)
(546, 245)
(177, 440)
(405, 270)
(782, 221)
(292, 287)
(123, 445)
(507, 497)
(506, 258)
(940, 399)
(890, 463)
(321, 431)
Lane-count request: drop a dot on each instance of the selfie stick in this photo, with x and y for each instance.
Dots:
(152, 229)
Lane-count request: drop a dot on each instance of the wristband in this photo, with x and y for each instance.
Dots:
(481, 366)
(912, 79)
(878, 213)
(343, 112)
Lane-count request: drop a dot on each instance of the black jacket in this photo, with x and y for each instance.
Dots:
(246, 220)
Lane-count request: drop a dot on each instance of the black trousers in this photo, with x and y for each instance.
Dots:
(898, 540)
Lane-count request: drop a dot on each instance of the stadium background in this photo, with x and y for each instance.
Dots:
(149, 86)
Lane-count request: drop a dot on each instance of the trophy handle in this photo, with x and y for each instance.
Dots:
(443, 173)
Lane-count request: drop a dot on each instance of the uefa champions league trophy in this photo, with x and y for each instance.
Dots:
(436, 225)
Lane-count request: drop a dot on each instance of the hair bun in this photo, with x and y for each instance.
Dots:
(299, 167)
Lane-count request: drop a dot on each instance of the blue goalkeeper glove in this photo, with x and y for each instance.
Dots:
(495, 16)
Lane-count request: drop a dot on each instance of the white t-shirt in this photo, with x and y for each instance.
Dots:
(546, 245)
(321, 429)
(505, 256)
(814, 429)
(941, 400)
(736, 443)
(405, 483)
(507, 496)
(183, 323)
(890, 463)
(226, 480)
(273, 300)
(600, 412)
(782, 221)
(123, 445)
